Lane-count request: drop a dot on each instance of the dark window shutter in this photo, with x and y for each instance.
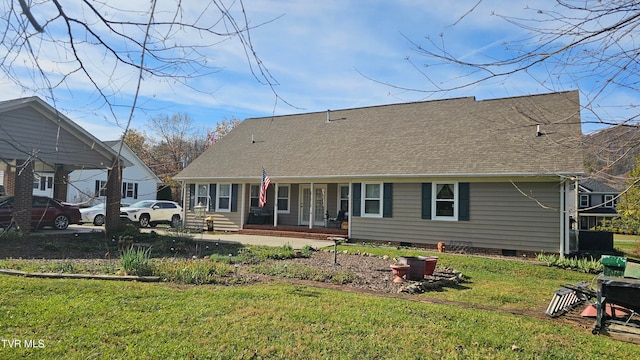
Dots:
(387, 197)
(135, 191)
(463, 202)
(124, 190)
(234, 197)
(97, 188)
(426, 201)
(212, 198)
(357, 194)
(192, 196)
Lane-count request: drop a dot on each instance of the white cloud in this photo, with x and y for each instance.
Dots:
(314, 49)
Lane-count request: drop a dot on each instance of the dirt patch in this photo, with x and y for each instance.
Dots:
(373, 273)
(63, 246)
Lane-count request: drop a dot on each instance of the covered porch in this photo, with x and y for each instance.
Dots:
(311, 208)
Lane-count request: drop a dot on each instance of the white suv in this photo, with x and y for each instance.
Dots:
(153, 212)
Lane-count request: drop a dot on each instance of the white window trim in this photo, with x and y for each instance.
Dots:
(608, 201)
(207, 196)
(364, 198)
(584, 203)
(254, 197)
(218, 192)
(456, 198)
(288, 186)
(339, 199)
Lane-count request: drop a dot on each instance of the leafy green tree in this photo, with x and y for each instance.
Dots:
(628, 205)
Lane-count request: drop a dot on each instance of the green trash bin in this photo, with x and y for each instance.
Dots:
(613, 265)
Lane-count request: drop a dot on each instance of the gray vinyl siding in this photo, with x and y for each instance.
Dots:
(31, 130)
(292, 217)
(501, 217)
(226, 221)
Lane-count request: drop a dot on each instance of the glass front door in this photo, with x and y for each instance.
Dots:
(319, 202)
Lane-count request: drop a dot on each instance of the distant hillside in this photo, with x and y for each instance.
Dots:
(611, 153)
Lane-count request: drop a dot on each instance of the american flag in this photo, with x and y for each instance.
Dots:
(263, 188)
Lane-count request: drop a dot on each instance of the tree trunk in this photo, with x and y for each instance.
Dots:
(114, 194)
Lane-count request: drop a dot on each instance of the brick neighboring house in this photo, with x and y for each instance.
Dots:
(38, 138)
(596, 202)
(491, 174)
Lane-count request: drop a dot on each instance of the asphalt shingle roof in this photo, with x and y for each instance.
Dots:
(459, 137)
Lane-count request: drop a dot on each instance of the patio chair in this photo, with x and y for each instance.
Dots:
(337, 221)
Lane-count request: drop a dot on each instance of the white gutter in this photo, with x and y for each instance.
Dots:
(306, 178)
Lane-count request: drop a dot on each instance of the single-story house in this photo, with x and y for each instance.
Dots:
(139, 182)
(88, 186)
(596, 202)
(490, 174)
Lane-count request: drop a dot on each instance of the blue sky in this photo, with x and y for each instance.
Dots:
(324, 55)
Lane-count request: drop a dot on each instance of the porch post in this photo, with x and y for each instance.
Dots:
(350, 209)
(311, 206)
(275, 206)
(242, 204)
(23, 195)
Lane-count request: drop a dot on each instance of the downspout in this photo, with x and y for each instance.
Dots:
(184, 204)
(562, 218)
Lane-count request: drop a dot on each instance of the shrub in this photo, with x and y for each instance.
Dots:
(135, 261)
(588, 265)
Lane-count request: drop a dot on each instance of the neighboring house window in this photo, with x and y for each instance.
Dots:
(254, 195)
(283, 199)
(101, 188)
(343, 198)
(224, 198)
(584, 201)
(129, 190)
(372, 199)
(608, 201)
(202, 195)
(43, 182)
(445, 201)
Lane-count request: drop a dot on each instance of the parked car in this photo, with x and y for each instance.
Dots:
(45, 211)
(153, 212)
(95, 214)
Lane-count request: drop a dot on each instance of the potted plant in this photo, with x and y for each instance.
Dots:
(399, 271)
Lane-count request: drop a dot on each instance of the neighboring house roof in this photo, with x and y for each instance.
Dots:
(455, 137)
(30, 126)
(130, 155)
(595, 186)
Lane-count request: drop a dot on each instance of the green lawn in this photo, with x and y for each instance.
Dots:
(629, 244)
(87, 319)
(109, 320)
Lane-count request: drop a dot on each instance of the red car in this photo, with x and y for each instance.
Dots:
(45, 211)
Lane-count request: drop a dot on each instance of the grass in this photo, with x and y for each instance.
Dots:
(91, 319)
(629, 244)
(80, 319)
(508, 284)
